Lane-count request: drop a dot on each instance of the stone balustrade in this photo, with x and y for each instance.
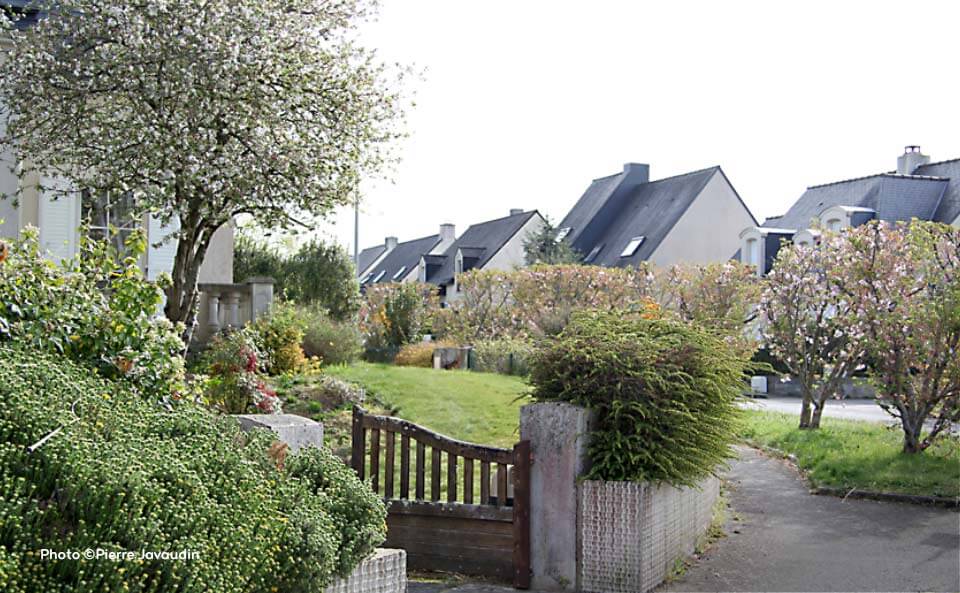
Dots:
(230, 306)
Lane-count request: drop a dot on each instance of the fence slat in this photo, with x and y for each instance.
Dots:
(468, 481)
(375, 459)
(521, 515)
(388, 476)
(484, 482)
(421, 470)
(359, 446)
(404, 466)
(501, 484)
(451, 477)
(435, 474)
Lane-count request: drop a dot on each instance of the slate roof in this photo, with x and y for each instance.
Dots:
(368, 256)
(646, 210)
(405, 255)
(949, 208)
(893, 197)
(17, 11)
(481, 240)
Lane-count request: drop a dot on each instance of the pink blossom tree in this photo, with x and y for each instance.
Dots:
(807, 322)
(904, 284)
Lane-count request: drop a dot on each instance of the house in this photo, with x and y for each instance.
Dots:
(624, 219)
(399, 262)
(917, 188)
(492, 245)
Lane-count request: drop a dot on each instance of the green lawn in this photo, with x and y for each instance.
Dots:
(851, 454)
(481, 408)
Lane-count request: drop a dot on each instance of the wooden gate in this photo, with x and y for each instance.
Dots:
(465, 523)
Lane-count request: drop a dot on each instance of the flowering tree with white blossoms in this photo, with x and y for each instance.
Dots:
(806, 322)
(203, 109)
(905, 286)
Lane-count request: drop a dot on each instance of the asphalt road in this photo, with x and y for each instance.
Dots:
(849, 409)
(781, 538)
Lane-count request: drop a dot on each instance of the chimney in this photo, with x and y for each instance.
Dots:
(448, 233)
(390, 243)
(515, 211)
(636, 173)
(911, 158)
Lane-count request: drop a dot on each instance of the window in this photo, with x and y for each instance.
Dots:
(379, 276)
(562, 234)
(593, 254)
(109, 216)
(753, 252)
(366, 278)
(834, 224)
(400, 272)
(632, 246)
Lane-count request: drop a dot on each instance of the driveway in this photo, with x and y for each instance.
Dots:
(781, 538)
(848, 409)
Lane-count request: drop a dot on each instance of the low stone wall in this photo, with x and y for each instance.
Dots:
(384, 572)
(632, 534)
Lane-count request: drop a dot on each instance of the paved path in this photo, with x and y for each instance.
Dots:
(788, 540)
(414, 587)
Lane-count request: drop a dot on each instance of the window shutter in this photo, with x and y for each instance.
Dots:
(160, 257)
(59, 219)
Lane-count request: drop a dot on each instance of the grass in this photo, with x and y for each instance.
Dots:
(863, 455)
(481, 408)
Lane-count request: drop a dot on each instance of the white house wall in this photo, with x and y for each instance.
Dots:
(511, 254)
(217, 266)
(709, 231)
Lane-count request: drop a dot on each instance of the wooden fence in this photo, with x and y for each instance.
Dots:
(446, 516)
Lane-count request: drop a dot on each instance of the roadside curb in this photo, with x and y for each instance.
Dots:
(845, 493)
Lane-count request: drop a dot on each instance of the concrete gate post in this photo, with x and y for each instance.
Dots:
(558, 442)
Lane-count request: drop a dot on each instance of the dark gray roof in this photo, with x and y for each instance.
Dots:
(405, 255)
(368, 256)
(647, 210)
(893, 197)
(949, 208)
(489, 236)
(20, 12)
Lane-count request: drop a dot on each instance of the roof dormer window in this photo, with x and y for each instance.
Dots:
(632, 246)
(562, 234)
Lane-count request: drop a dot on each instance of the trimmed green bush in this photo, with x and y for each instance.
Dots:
(124, 475)
(332, 341)
(416, 355)
(664, 392)
(280, 334)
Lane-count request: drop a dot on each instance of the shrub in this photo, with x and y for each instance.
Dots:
(416, 355)
(95, 309)
(123, 475)
(507, 356)
(235, 387)
(280, 334)
(396, 314)
(664, 393)
(332, 341)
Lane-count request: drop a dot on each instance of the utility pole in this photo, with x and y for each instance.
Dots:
(356, 232)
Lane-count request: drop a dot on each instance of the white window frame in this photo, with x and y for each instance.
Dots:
(632, 246)
(399, 273)
(562, 234)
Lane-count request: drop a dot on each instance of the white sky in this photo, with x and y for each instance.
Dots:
(523, 103)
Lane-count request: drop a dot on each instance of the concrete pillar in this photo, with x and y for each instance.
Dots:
(261, 295)
(558, 441)
(232, 302)
(296, 431)
(213, 312)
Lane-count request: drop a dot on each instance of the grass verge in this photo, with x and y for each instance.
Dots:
(862, 455)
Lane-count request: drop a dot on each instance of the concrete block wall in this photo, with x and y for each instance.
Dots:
(384, 572)
(632, 534)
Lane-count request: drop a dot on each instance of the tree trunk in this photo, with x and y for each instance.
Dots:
(183, 295)
(805, 409)
(912, 431)
(817, 413)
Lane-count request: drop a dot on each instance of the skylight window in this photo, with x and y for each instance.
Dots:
(632, 246)
(562, 234)
(593, 254)
(400, 272)
(366, 278)
(379, 276)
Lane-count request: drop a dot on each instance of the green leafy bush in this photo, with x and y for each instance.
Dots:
(507, 356)
(94, 308)
(332, 341)
(280, 336)
(233, 360)
(396, 314)
(664, 392)
(123, 475)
